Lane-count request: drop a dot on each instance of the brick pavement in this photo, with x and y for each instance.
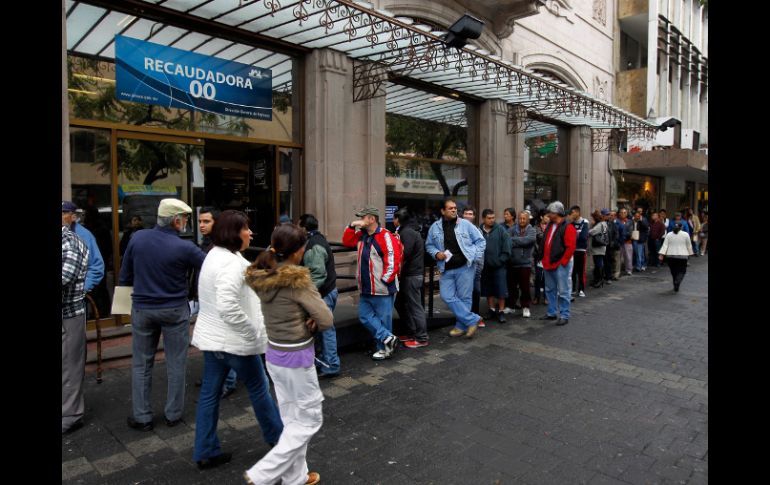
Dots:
(620, 395)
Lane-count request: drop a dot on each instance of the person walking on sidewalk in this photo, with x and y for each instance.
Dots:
(497, 253)
(409, 298)
(523, 238)
(559, 247)
(231, 334)
(379, 264)
(319, 259)
(157, 264)
(677, 248)
(455, 244)
(293, 311)
(74, 267)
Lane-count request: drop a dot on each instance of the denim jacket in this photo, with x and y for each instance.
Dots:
(469, 238)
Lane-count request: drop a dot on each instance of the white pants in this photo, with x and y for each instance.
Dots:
(299, 401)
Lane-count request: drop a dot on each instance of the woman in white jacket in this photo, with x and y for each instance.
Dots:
(677, 247)
(231, 334)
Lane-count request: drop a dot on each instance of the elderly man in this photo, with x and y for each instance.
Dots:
(74, 261)
(456, 244)
(157, 263)
(560, 240)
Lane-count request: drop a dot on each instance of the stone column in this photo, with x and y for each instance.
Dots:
(66, 171)
(580, 168)
(344, 144)
(495, 158)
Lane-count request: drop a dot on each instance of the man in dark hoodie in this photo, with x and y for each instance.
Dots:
(408, 300)
(496, 255)
(581, 248)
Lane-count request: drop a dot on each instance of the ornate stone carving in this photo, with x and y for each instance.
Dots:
(600, 88)
(600, 11)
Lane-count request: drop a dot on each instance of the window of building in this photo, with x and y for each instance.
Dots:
(546, 165)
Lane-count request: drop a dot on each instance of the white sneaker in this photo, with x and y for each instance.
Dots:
(509, 310)
(525, 312)
(581, 293)
(381, 355)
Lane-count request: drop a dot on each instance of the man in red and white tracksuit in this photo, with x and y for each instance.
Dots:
(379, 263)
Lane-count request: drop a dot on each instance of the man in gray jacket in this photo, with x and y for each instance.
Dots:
(523, 237)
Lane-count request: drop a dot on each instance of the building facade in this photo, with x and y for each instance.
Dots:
(662, 51)
(369, 106)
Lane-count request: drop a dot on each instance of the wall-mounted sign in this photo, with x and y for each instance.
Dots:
(389, 211)
(675, 185)
(155, 74)
(418, 186)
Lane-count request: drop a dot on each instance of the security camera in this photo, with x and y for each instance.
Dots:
(468, 27)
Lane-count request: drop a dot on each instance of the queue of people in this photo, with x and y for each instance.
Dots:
(275, 316)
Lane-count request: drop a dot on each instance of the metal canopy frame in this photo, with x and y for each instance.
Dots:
(383, 46)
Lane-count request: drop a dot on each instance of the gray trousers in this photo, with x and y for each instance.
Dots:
(409, 306)
(73, 369)
(146, 328)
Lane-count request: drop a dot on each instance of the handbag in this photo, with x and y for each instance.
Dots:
(634, 235)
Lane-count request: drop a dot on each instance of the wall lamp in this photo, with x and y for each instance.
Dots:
(669, 123)
(468, 27)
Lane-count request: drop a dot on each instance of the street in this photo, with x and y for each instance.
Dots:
(619, 395)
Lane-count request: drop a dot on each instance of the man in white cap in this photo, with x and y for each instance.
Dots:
(157, 263)
(560, 239)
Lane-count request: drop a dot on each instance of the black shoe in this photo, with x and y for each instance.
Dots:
(132, 423)
(74, 427)
(323, 375)
(491, 315)
(172, 422)
(199, 383)
(572, 299)
(549, 317)
(228, 392)
(501, 317)
(562, 322)
(214, 461)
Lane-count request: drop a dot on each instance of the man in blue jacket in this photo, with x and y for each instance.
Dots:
(157, 263)
(455, 244)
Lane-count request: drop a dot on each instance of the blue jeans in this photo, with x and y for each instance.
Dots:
(328, 341)
(639, 260)
(376, 314)
(558, 282)
(216, 365)
(456, 289)
(146, 328)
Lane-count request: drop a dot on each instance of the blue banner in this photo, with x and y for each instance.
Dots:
(155, 74)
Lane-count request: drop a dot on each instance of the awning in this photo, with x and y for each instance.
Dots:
(385, 49)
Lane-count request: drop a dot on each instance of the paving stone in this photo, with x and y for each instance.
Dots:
(115, 463)
(74, 468)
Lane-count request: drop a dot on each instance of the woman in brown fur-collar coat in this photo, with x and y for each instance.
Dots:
(293, 311)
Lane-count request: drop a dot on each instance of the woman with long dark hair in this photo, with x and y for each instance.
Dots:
(232, 335)
(293, 310)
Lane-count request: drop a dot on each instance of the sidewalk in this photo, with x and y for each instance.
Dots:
(620, 395)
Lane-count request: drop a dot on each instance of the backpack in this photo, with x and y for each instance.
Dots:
(602, 238)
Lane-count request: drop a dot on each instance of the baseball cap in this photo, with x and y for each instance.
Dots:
(368, 210)
(172, 207)
(67, 206)
(605, 212)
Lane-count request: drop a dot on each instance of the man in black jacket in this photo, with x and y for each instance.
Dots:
(408, 300)
(497, 254)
